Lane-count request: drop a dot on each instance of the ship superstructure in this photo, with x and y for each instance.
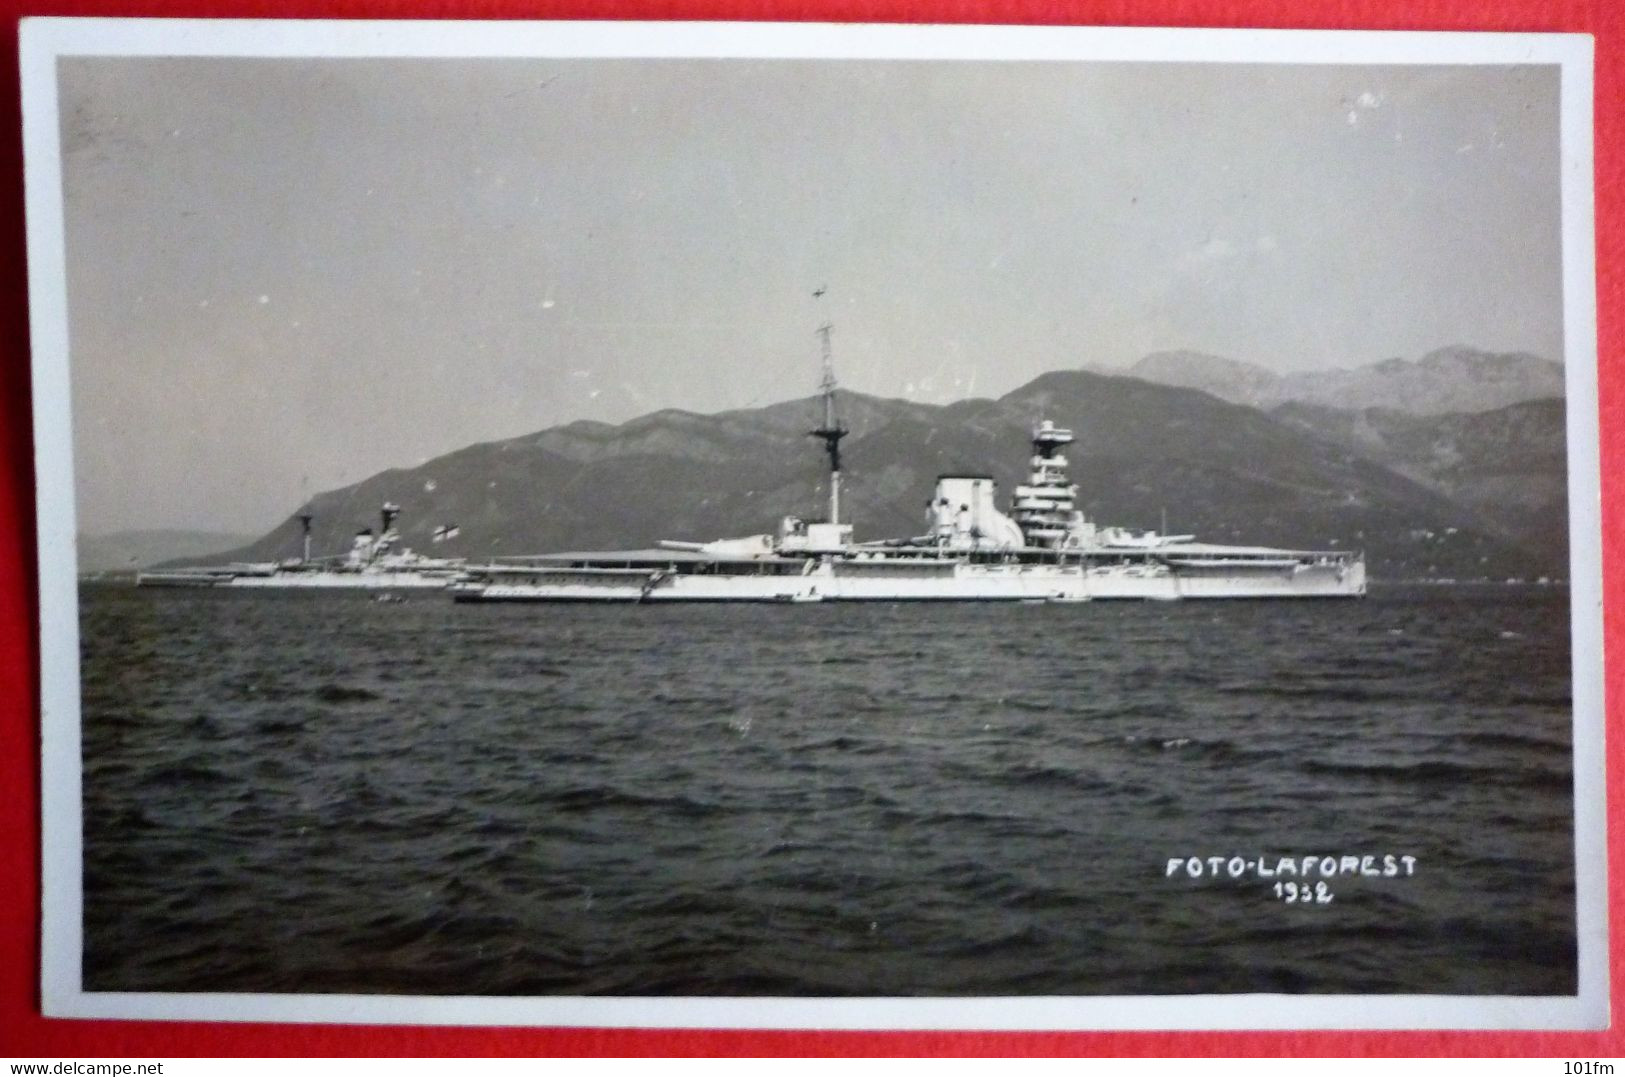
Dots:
(1043, 550)
(1043, 508)
(373, 562)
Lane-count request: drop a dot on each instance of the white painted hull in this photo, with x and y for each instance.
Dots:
(353, 581)
(1302, 581)
(946, 582)
(302, 581)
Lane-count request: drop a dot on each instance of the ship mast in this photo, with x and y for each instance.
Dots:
(831, 431)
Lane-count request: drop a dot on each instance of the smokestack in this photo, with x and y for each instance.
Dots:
(304, 521)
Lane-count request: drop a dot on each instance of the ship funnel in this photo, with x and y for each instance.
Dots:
(389, 512)
(304, 523)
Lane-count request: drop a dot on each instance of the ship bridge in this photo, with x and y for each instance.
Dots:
(1045, 506)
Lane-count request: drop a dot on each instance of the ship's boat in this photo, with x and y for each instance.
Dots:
(1043, 551)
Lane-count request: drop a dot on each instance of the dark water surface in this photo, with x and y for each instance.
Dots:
(327, 793)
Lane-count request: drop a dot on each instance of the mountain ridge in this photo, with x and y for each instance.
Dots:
(1229, 472)
(1444, 381)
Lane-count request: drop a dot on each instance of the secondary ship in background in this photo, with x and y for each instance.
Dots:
(1043, 550)
(373, 562)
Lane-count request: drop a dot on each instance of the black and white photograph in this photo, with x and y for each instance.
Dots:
(750, 526)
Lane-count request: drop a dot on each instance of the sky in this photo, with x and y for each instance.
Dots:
(285, 275)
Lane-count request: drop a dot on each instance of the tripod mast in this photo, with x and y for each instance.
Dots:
(831, 432)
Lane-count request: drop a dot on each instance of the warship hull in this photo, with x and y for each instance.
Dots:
(300, 581)
(927, 581)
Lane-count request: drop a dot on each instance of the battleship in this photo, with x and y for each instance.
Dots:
(1042, 550)
(374, 562)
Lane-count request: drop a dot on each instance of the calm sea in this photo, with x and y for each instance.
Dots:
(290, 793)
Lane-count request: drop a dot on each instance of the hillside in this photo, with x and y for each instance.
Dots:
(1509, 466)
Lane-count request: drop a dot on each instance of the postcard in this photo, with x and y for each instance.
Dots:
(809, 526)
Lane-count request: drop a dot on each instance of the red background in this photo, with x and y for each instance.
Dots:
(23, 1032)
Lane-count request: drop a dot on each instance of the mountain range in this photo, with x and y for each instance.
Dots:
(1455, 379)
(1466, 494)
